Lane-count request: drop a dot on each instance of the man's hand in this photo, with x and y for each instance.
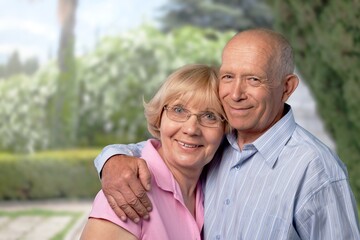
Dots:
(124, 191)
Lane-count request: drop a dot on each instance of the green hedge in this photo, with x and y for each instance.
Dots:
(46, 175)
(326, 40)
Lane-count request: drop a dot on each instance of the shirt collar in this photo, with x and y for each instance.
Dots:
(162, 175)
(270, 144)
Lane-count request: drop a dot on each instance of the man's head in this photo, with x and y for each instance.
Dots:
(256, 79)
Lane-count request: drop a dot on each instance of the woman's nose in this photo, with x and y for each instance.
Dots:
(191, 126)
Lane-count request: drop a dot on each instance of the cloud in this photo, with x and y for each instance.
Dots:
(33, 29)
(26, 27)
(98, 14)
(114, 15)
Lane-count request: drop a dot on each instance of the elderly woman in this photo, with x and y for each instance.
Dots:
(188, 122)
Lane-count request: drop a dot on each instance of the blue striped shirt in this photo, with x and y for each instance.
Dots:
(285, 185)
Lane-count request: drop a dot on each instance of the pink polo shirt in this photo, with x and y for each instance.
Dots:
(169, 219)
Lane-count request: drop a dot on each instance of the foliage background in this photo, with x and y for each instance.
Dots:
(111, 81)
(326, 40)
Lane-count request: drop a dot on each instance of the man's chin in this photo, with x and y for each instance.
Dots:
(237, 125)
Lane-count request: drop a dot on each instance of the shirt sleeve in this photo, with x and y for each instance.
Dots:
(102, 210)
(133, 149)
(330, 213)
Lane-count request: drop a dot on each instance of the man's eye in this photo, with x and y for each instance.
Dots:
(254, 79)
(226, 76)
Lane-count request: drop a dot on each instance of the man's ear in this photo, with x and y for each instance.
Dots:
(290, 84)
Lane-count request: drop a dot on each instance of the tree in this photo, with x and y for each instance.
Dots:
(30, 66)
(327, 51)
(64, 115)
(2, 71)
(13, 65)
(115, 77)
(221, 15)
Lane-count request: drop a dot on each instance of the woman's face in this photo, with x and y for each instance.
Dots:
(189, 144)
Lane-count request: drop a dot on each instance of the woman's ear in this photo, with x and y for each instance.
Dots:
(290, 84)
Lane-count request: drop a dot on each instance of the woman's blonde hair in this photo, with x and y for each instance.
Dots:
(194, 83)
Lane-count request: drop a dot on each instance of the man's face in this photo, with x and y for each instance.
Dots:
(251, 97)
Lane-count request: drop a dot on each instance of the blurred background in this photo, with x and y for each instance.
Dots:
(73, 74)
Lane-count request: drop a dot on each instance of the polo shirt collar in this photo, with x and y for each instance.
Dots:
(160, 172)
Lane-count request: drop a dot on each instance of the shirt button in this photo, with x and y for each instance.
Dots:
(217, 237)
(227, 201)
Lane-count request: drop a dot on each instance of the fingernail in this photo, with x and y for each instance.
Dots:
(123, 219)
(148, 187)
(149, 208)
(136, 220)
(146, 217)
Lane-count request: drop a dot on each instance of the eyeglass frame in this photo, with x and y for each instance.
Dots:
(218, 122)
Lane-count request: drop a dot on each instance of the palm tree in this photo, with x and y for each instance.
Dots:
(64, 114)
(66, 14)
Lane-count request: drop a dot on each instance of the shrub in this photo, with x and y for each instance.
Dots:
(45, 175)
(111, 81)
(326, 39)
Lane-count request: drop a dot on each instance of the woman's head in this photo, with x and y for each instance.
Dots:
(187, 116)
(194, 84)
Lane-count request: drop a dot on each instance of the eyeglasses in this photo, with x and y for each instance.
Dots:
(180, 114)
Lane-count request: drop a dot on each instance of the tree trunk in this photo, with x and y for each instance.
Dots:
(64, 117)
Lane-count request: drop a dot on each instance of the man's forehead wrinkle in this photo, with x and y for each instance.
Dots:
(247, 62)
(245, 51)
(256, 42)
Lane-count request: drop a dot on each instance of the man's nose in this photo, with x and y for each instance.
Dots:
(238, 90)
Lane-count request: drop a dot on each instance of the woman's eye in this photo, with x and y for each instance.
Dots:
(209, 116)
(178, 109)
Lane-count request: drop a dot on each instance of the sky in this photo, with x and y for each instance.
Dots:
(32, 28)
